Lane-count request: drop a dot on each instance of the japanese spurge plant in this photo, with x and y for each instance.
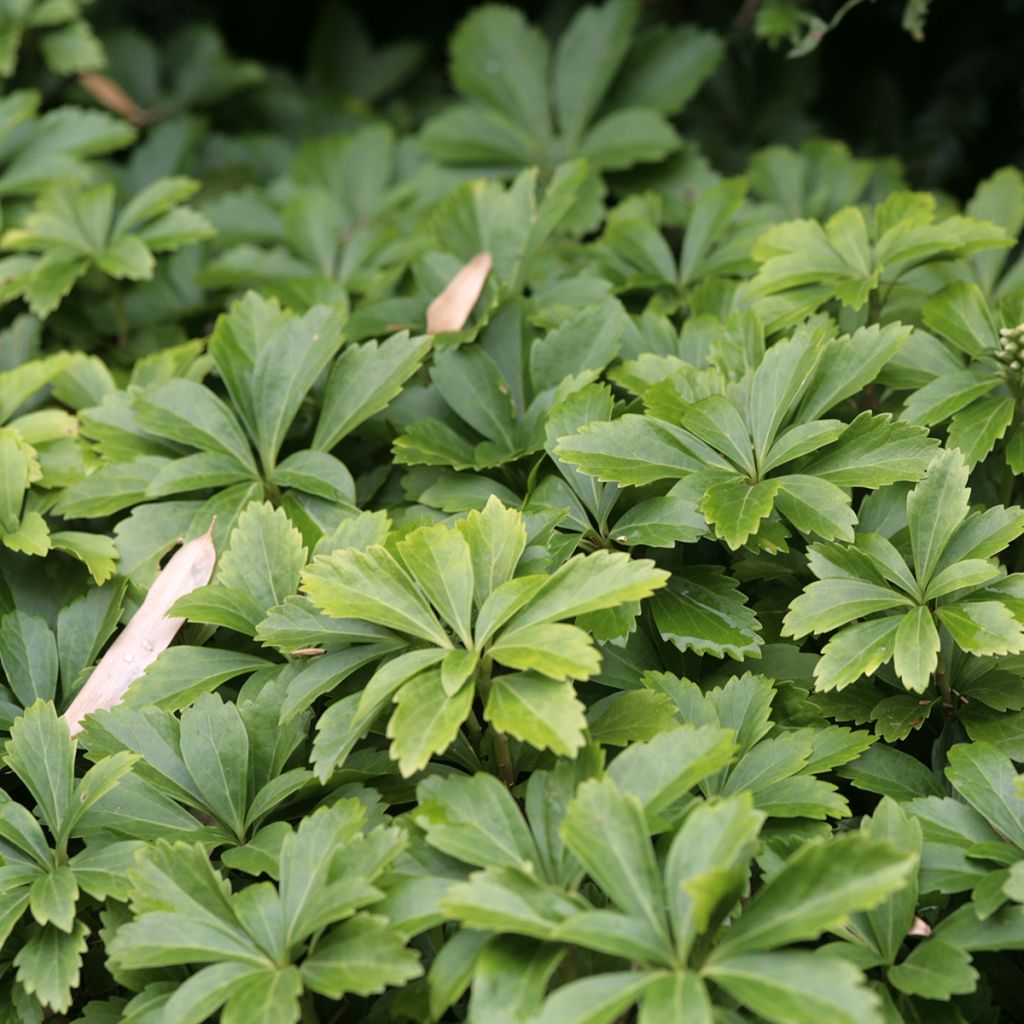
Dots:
(455, 594)
(946, 576)
(747, 449)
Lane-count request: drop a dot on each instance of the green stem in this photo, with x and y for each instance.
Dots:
(948, 700)
(874, 306)
(503, 757)
(309, 1015)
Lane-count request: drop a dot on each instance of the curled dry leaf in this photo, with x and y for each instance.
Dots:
(451, 309)
(149, 631)
(920, 927)
(106, 91)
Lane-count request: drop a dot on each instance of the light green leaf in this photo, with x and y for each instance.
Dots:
(215, 749)
(52, 898)
(935, 970)
(49, 964)
(371, 585)
(556, 650)
(816, 890)
(41, 753)
(542, 712)
(703, 610)
(28, 653)
(426, 720)
(916, 652)
(798, 988)
(588, 583)
(735, 508)
(362, 382)
(856, 651)
(982, 627)
(440, 560)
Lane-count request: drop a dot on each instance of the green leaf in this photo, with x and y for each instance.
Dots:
(607, 831)
(832, 602)
(708, 865)
(935, 509)
(28, 653)
(265, 556)
(664, 769)
(797, 987)
(187, 412)
(475, 820)
(679, 996)
(496, 538)
(440, 560)
(961, 315)
(555, 650)
(49, 964)
(588, 583)
(856, 651)
(542, 712)
(982, 627)
(630, 450)
(362, 382)
(362, 956)
(52, 898)
(815, 506)
(916, 651)
(600, 999)
(41, 753)
(426, 720)
(986, 779)
(976, 429)
(580, 82)
(626, 137)
(735, 508)
(215, 749)
(935, 970)
(874, 451)
(500, 60)
(703, 610)
(816, 890)
(371, 585)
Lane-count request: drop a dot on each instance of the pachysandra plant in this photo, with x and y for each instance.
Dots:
(744, 450)
(467, 611)
(539, 544)
(72, 230)
(665, 928)
(943, 576)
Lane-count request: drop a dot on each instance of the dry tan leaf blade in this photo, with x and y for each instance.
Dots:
(451, 309)
(149, 631)
(105, 90)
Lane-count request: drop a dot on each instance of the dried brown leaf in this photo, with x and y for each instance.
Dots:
(149, 631)
(451, 309)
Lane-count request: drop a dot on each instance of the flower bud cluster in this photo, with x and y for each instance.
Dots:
(1011, 348)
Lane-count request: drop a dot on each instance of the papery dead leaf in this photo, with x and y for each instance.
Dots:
(149, 631)
(920, 927)
(451, 309)
(106, 91)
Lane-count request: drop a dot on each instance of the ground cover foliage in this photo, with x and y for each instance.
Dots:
(647, 647)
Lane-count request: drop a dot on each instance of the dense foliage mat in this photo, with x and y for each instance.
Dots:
(616, 613)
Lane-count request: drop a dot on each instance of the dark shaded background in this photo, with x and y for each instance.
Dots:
(952, 106)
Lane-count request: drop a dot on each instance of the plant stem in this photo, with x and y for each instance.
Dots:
(874, 306)
(309, 1010)
(948, 700)
(503, 757)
